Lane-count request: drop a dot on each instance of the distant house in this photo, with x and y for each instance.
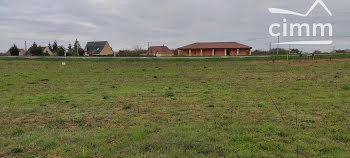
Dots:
(158, 51)
(100, 48)
(215, 49)
(46, 50)
(5, 54)
(8, 53)
(22, 52)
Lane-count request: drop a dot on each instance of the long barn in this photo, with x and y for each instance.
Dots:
(215, 49)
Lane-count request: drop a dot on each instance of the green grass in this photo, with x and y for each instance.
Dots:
(174, 108)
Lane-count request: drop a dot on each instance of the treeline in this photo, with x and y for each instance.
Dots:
(274, 51)
(57, 50)
(282, 51)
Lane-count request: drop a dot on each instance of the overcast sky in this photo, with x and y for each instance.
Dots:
(175, 23)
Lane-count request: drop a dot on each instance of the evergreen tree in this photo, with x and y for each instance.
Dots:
(81, 52)
(76, 48)
(54, 46)
(14, 50)
(50, 47)
(61, 51)
(70, 50)
(35, 50)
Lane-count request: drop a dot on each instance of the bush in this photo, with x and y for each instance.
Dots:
(46, 54)
(14, 51)
(131, 53)
(61, 51)
(35, 50)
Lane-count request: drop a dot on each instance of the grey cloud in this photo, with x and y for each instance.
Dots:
(126, 23)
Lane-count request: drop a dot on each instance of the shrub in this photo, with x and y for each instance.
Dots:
(35, 50)
(14, 50)
(211, 105)
(61, 51)
(46, 54)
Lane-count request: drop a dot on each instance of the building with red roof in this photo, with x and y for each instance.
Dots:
(215, 49)
(158, 51)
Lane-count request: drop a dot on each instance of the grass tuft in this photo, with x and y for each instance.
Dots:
(32, 82)
(127, 107)
(59, 121)
(17, 132)
(16, 150)
(345, 87)
(211, 106)
(169, 94)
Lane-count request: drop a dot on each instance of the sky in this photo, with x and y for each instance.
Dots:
(174, 23)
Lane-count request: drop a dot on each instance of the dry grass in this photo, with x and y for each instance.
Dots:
(173, 108)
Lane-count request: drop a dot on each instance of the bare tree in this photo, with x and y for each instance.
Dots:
(138, 48)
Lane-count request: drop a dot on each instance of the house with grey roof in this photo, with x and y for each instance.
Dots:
(98, 48)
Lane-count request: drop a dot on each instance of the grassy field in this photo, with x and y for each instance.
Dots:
(174, 108)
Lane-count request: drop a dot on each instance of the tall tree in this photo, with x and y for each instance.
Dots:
(35, 50)
(14, 50)
(61, 51)
(81, 52)
(50, 47)
(76, 48)
(54, 46)
(70, 49)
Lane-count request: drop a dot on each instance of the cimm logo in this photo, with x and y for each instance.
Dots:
(302, 29)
